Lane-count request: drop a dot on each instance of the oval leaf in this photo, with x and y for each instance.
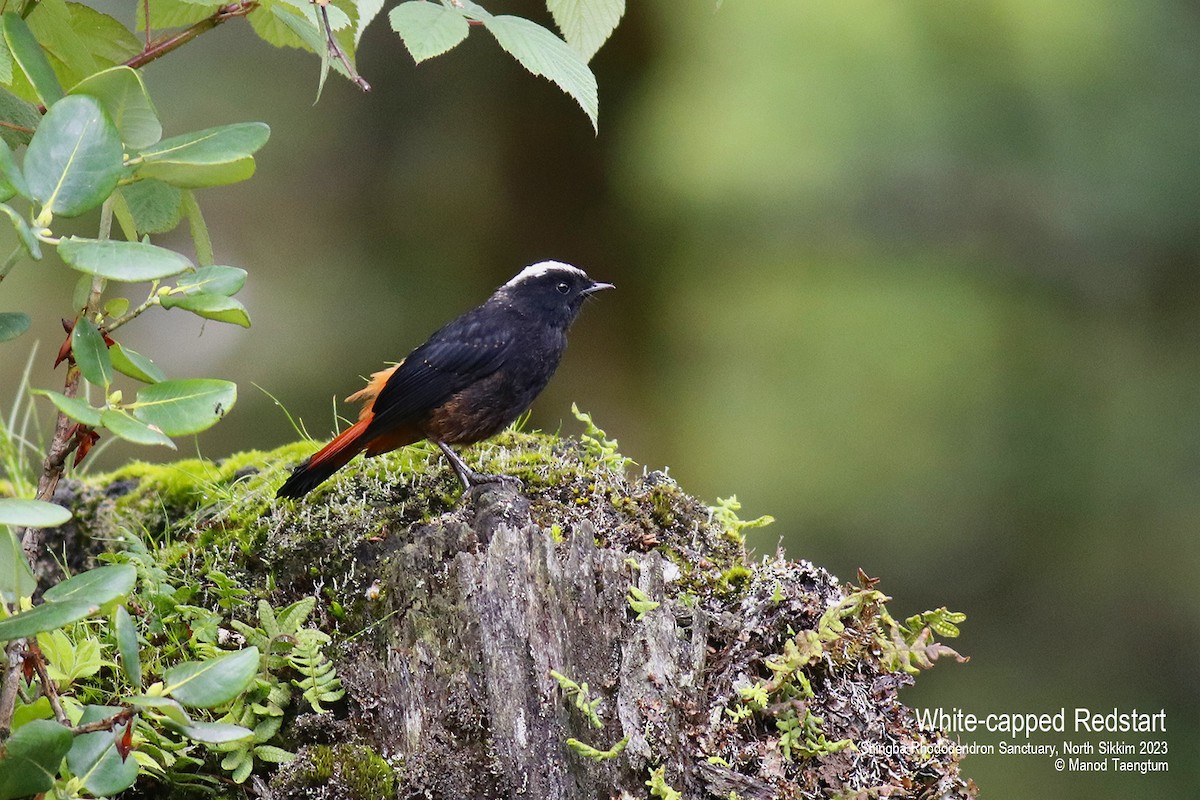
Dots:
(75, 158)
(163, 705)
(125, 633)
(13, 324)
(32, 513)
(210, 306)
(29, 57)
(428, 29)
(91, 353)
(135, 365)
(73, 407)
(130, 262)
(203, 684)
(93, 757)
(211, 157)
(183, 407)
(226, 281)
(98, 586)
(123, 95)
(46, 617)
(154, 206)
(542, 53)
(131, 430)
(31, 758)
(16, 579)
(215, 732)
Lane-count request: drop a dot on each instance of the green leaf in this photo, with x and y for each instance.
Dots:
(184, 407)
(130, 262)
(93, 757)
(129, 429)
(106, 38)
(198, 228)
(586, 24)
(211, 157)
(51, 24)
(16, 579)
(428, 29)
(31, 758)
(46, 617)
(91, 353)
(32, 513)
(156, 207)
(135, 365)
(24, 232)
(215, 732)
(210, 306)
(12, 180)
(21, 114)
(13, 324)
(226, 281)
(204, 684)
(367, 11)
(163, 705)
(73, 407)
(174, 13)
(123, 95)
(75, 159)
(28, 55)
(99, 585)
(125, 633)
(542, 53)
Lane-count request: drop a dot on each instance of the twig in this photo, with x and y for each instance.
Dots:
(336, 49)
(106, 724)
(8, 694)
(159, 48)
(48, 687)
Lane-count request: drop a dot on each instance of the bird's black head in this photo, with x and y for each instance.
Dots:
(551, 290)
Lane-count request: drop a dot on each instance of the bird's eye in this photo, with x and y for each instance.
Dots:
(563, 288)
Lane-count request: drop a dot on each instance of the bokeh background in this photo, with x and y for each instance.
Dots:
(918, 279)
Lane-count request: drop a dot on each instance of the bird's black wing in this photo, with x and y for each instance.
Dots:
(464, 351)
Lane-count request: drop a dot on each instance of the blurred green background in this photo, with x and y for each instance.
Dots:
(918, 279)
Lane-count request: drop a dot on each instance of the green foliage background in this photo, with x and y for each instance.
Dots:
(917, 279)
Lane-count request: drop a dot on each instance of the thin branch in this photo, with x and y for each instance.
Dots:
(159, 48)
(48, 687)
(106, 724)
(336, 49)
(12, 126)
(12, 679)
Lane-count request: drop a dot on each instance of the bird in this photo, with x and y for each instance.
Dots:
(467, 382)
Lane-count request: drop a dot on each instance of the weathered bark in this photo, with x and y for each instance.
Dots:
(454, 614)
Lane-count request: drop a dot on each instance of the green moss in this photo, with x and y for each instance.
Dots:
(354, 771)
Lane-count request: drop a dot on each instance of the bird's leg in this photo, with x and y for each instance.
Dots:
(466, 476)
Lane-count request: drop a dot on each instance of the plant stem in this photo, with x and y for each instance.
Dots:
(8, 694)
(160, 47)
(10, 262)
(133, 313)
(48, 687)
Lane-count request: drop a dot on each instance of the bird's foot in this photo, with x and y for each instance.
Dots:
(469, 478)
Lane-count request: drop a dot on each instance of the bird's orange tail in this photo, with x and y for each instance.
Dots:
(326, 461)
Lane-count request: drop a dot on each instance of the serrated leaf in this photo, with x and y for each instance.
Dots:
(46, 617)
(28, 55)
(130, 262)
(94, 759)
(51, 24)
(75, 159)
(542, 53)
(273, 755)
(32, 513)
(99, 586)
(106, 38)
(131, 430)
(31, 758)
(155, 207)
(204, 684)
(174, 13)
(73, 407)
(226, 281)
(586, 24)
(16, 579)
(183, 407)
(13, 324)
(211, 157)
(123, 96)
(125, 632)
(135, 365)
(91, 353)
(367, 11)
(428, 29)
(210, 306)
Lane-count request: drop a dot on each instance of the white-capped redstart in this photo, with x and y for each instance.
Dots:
(473, 377)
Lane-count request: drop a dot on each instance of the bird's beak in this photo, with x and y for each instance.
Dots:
(597, 287)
